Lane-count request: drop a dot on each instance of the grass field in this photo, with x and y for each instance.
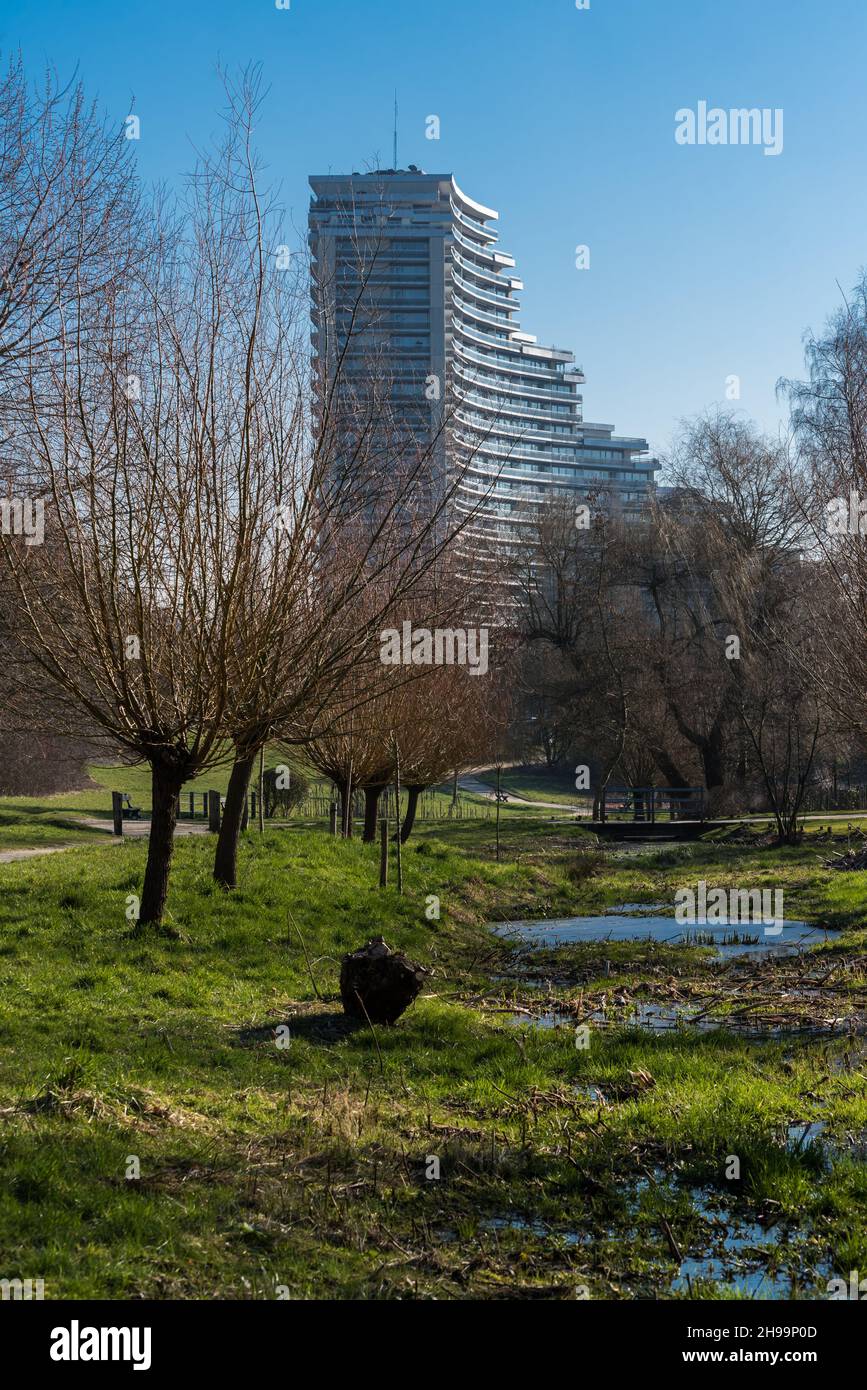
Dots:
(56, 820)
(45, 821)
(305, 1159)
(536, 784)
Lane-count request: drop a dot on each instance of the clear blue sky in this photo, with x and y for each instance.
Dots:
(705, 262)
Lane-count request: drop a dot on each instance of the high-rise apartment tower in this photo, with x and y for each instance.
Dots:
(447, 335)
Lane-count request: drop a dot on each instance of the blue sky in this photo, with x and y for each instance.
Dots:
(705, 262)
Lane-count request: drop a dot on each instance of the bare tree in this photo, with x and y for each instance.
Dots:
(581, 596)
(829, 418)
(136, 424)
(70, 214)
(367, 484)
(71, 227)
(715, 558)
(784, 719)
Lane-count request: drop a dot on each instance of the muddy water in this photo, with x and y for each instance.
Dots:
(744, 940)
(724, 1249)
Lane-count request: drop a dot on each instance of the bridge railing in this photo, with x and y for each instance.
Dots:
(653, 803)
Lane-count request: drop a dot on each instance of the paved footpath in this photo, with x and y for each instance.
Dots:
(479, 788)
(132, 830)
(11, 856)
(138, 829)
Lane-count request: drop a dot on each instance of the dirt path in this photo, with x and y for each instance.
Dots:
(132, 830)
(11, 856)
(140, 829)
(478, 788)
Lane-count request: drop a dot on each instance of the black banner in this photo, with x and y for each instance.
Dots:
(140, 1339)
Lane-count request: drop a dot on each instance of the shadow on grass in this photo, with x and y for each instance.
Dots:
(318, 1023)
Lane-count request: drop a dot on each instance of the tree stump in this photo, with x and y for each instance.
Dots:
(378, 984)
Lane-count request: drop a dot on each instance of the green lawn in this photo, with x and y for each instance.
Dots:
(30, 822)
(563, 1171)
(55, 820)
(537, 783)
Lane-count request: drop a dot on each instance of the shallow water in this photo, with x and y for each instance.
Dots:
(566, 931)
(668, 1018)
(805, 1134)
(802, 1134)
(727, 1249)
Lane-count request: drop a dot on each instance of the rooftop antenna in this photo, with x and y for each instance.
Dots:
(394, 165)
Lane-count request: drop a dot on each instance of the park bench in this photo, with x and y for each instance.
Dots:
(130, 812)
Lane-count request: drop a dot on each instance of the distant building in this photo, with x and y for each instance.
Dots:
(447, 333)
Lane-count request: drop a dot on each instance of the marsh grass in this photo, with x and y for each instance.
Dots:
(305, 1164)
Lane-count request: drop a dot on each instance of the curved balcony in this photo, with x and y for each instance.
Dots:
(490, 399)
(481, 271)
(544, 461)
(486, 296)
(504, 446)
(474, 228)
(498, 384)
(476, 209)
(475, 314)
(471, 394)
(533, 433)
(494, 257)
(519, 364)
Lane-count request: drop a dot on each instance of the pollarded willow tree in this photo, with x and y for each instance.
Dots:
(384, 710)
(451, 720)
(368, 526)
(208, 551)
(829, 419)
(163, 424)
(71, 214)
(72, 226)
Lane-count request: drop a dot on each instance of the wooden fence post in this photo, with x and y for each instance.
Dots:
(397, 813)
(333, 817)
(214, 811)
(383, 853)
(117, 812)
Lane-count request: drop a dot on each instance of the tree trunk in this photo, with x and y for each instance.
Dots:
(226, 856)
(371, 809)
(165, 786)
(397, 813)
(345, 813)
(413, 794)
(668, 767)
(713, 759)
